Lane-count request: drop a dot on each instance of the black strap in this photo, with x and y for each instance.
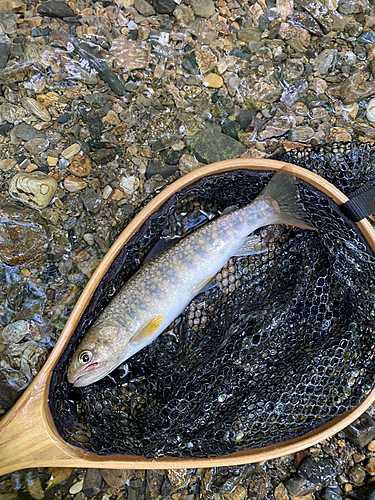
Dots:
(361, 203)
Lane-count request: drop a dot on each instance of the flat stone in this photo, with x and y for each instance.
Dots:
(91, 200)
(184, 14)
(11, 113)
(37, 145)
(16, 6)
(15, 332)
(129, 184)
(325, 61)
(213, 80)
(355, 88)
(74, 184)
(55, 9)
(212, 145)
(320, 472)
(34, 107)
(338, 134)
(71, 151)
(23, 237)
(35, 188)
(165, 6)
(4, 56)
(203, 8)
(154, 168)
(362, 431)
(144, 8)
(8, 22)
(299, 487)
(301, 134)
(92, 482)
(319, 11)
(206, 60)
(114, 477)
(26, 132)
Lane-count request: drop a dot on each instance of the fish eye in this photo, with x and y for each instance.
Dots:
(84, 357)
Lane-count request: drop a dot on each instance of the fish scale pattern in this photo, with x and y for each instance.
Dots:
(283, 343)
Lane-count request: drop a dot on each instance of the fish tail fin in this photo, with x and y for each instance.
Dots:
(283, 192)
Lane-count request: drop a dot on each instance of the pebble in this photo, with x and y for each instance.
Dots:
(74, 184)
(115, 478)
(299, 487)
(370, 467)
(80, 166)
(203, 8)
(55, 9)
(37, 145)
(111, 118)
(212, 145)
(320, 472)
(206, 60)
(76, 487)
(35, 189)
(355, 88)
(370, 110)
(26, 132)
(280, 492)
(357, 474)
(325, 61)
(12, 114)
(23, 236)
(144, 8)
(165, 6)
(15, 332)
(338, 134)
(362, 431)
(371, 446)
(71, 151)
(129, 184)
(213, 80)
(34, 107)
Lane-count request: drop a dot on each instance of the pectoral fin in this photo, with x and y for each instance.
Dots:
(251, 246)
(146, 334)
(205, 285)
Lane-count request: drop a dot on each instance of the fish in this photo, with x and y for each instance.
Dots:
(164, 285)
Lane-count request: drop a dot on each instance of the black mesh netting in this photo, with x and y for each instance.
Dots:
(283, 344)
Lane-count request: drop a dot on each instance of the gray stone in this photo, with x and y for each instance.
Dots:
(15, 332)
(248, 35)
(114, 477)
(321, 13)
(332, 493)
(320, 472)
(165, 6)
(91, 200)
(203, 8)
(27, 132)
(212, 145)
(361, 431)
(92, 482)
(157, 167)
(295, 91)
(325, 61)
(37, 145)
(3, 55)
(301, 134)
(55, 9)
(8, 22)
(144, 8)
(299, 487)
(11, 113)
(352, 6)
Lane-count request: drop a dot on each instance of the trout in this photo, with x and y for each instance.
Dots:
(161, 289)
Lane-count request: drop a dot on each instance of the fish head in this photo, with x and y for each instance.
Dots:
(96, 356)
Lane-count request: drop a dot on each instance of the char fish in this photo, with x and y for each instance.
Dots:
(161, 289)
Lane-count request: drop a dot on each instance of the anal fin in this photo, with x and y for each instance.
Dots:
(205, 285)
(252, 245)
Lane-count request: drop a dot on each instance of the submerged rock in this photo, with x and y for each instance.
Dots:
(320, 472)
(23, 236)
(362, 431)
(35, 189)
(355, 88)
(55, 9)
(212, 145)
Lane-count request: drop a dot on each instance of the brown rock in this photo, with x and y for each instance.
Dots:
(287, 32)
(120, 129)
(338, 134)
(114, 477)
(23, 236)
(74, 184)
(117, 195)
(371, 445)
(80, 165)
(355, 88)
(206, 60)
(370, 467)
(213, 80)
(35, 189)
(14, 5)
(239, 493)
(281, 492)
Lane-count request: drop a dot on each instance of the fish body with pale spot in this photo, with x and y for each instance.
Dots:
(161, 289)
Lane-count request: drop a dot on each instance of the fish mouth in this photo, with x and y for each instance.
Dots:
(76, 380)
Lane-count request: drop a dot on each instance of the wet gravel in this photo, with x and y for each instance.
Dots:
(101, 105)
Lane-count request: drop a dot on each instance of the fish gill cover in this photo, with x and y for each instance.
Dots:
(284, 343)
